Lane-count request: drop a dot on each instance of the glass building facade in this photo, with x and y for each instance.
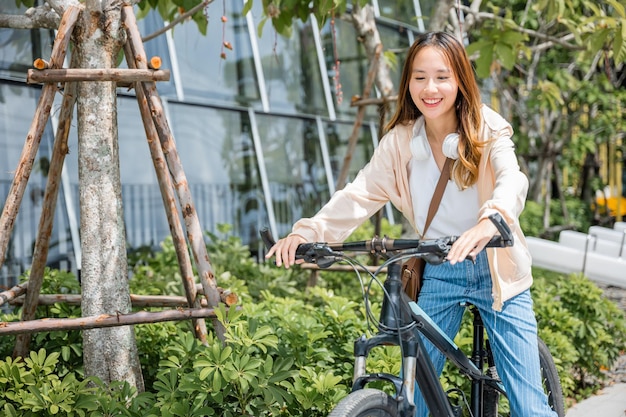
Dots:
(261, 134)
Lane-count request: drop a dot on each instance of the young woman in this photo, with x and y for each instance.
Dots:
(439, 115)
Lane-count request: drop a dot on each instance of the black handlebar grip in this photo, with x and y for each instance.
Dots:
(503, 229)
(269, 242)
(267, 238)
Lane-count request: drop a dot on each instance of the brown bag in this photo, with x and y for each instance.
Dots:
(413, 269)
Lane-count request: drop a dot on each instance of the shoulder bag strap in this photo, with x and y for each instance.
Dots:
(439, 189)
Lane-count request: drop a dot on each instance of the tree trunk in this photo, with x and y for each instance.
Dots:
(440, 15)
(364, 23)
(108, 353)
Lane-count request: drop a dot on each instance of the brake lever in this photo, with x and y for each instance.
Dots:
(434, 252)
(319, 254)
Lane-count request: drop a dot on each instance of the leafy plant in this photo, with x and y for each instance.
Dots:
(288, 348)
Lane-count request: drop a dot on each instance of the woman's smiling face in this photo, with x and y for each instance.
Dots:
(433, 86)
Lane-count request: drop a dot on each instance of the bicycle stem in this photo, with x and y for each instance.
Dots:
(391, 315)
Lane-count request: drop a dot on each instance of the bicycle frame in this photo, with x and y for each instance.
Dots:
(400, 321)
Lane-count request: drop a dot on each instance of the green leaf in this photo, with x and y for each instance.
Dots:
(619, 43)
(247, 7)
(201, 21)
(618, 7)
(506, 55)
(484, 61)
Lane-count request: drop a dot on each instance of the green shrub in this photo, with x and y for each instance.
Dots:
(585, 331)
(288, 348)
(67, 343)
(531, 220)
(279, 358)
(31, 387)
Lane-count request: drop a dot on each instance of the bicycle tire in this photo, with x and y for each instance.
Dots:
(491, 397)
(366, 402)
(551, 381)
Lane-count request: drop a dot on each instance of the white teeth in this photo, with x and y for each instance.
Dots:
(431, 101)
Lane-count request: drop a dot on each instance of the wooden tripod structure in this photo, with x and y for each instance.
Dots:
(171, 178)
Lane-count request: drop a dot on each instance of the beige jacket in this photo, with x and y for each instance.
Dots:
(502, 188)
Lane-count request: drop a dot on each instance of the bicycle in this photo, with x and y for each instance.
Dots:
(399, 323)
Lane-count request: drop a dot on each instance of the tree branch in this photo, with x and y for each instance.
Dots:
(439, 16)
(178, 20)
(34, 18)
(562, 41)
(60, 6)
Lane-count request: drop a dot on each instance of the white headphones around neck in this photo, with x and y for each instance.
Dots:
(420, 149)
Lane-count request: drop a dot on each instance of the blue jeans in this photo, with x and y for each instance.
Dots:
(512, 332)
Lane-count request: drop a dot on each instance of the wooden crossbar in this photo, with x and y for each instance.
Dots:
(89, 74)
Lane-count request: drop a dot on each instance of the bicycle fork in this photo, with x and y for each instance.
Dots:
(392, 321)
(394, 329)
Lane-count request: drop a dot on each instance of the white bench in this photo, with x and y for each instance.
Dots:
(607, 233)
(591, 243)
(619, 226)
(554, 256)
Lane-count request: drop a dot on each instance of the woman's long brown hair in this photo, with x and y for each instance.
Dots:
(467, 107)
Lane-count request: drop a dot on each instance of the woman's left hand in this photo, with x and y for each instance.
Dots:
(472, 241)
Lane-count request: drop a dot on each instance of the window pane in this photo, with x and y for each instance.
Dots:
(219, 159)
(15, 122)
(400, 10)
(428, 7)
(295, 169)
(144, 213)
(20, 47)
(291, 69)
(338, 136)
(219, 163)
(207, 77)
(347, 79)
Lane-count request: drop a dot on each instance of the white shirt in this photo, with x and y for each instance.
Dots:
(458, 210)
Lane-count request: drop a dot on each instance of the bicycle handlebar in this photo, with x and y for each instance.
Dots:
(431, 250)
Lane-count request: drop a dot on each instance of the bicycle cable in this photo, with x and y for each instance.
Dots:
(371, 319)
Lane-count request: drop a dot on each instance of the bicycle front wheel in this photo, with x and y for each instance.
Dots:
(551, 381)
(366, 402)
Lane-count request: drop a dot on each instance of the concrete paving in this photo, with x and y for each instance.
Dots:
(609, 402)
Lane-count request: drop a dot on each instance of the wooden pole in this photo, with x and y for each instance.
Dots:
(371, 76)
(190, 216)
(94, 74)
(41, 64)
(226, 297)
(33, 138)
(369, 101)
(154, 63)
(103, 320)
(42, 243)
(169, 203)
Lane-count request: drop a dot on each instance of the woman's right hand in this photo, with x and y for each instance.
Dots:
(285, 250)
